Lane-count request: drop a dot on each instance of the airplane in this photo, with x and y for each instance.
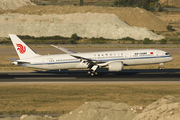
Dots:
(113, 60)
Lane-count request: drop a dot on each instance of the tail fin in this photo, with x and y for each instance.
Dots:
(21, 48)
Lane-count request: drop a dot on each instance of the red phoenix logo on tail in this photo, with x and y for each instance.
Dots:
(22, 49)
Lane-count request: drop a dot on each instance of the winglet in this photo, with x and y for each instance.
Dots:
(64, 49)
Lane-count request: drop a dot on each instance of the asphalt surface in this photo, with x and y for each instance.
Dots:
(126, 76)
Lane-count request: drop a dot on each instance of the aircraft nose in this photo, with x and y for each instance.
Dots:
(171, 58)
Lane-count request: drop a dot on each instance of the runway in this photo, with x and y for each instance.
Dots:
(60, 77)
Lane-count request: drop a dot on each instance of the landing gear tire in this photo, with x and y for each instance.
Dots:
(159, 67)
(89, 72)
(92, 73)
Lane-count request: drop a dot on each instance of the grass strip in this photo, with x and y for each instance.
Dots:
(62, 98)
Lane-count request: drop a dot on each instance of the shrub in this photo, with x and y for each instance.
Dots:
(152, 31)
(163, 41)
(81, 2)
(128, 38)
(147, 41)
(160, 9)
(169, 27)
(75, 37)
(99, 40)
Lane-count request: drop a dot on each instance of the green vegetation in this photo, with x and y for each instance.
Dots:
(81, 2)
(128, 38)
(173, 40)
(98, 40)
(163, 41)
(42, 38)
(75, 39)
(169, 27)
(160, 8)
(146, 4)
(4, 41)
(147, 41)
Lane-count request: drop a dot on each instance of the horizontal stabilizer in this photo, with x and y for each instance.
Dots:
(13, 59)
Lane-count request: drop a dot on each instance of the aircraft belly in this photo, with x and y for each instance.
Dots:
(54, 66)
(81, 65)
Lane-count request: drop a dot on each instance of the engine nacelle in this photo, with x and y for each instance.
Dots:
(15, 63)
(116, 66)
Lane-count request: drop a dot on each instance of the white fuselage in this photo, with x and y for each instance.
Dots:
(127, 57)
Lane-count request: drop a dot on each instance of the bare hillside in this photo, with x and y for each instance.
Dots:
(132, 16)
(83, 24)
(14, 4)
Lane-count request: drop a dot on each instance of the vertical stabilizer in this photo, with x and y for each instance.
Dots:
(21, 48)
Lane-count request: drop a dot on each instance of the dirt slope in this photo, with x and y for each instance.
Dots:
(101, 111)
(166, 108)
(83, 24)
(14, 4)
(132, 16)
(175, 3)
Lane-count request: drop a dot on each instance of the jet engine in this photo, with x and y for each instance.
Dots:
(15, 63)
(116, 66)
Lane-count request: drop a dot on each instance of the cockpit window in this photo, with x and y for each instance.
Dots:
(167, 54)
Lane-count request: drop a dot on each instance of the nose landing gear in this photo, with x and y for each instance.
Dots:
(160, 65)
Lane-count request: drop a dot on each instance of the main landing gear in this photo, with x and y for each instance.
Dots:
(92, 73)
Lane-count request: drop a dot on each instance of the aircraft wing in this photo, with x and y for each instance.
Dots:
(91, 62)
(64, 49)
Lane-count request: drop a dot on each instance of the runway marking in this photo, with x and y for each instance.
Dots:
(49, 78)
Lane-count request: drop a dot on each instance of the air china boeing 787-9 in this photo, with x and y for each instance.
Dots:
(113, 60)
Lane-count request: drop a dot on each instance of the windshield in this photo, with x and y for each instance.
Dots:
(167, 54)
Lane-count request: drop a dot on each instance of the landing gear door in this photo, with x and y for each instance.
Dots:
(44, 62)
